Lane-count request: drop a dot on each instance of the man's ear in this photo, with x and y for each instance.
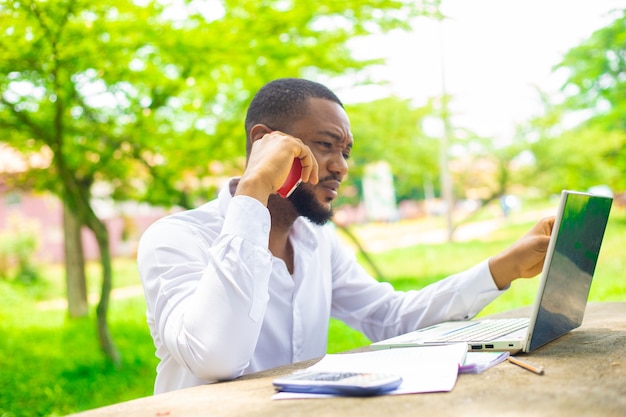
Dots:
(258, 131)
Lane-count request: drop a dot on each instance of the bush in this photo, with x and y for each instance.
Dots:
(17, 247)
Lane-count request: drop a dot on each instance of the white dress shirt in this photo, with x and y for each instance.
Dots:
(219, 305)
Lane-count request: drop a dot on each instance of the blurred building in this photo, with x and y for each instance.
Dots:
(41, 214)
(25, 212)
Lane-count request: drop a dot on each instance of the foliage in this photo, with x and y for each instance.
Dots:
(143, 96)
(597, 75)
(484, 170)
(154, 92)
(581, 142)
(17, 247)
(579, 159)
(391, 130)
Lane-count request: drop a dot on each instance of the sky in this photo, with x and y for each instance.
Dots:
(495, 55)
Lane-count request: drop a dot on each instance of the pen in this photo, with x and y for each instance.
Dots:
(526, 365)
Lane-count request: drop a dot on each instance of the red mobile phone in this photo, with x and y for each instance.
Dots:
(293, 179)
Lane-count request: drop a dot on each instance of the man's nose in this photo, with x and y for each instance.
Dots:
(338, 165)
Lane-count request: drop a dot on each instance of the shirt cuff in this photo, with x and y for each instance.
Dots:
(249, 219)
(485, 273)
(483, 286)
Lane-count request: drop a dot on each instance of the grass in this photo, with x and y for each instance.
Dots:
(51, 365)
(417, 266)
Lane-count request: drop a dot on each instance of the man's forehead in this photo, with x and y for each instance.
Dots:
(344, 139)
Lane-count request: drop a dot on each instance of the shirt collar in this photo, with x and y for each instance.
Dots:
(303, 232)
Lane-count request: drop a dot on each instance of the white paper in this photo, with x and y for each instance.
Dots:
(423, 369)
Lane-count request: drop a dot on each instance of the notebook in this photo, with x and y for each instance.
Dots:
(561, 299)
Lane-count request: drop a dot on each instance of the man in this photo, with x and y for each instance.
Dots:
(248, 281)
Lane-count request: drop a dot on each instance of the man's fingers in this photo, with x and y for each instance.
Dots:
(279, 147)
(309, 168)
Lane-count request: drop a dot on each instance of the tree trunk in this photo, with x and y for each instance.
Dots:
(77, 197)
(89, 219)
(102, 237)
(76, 282)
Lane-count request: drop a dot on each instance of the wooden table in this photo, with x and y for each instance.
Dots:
(585, 375)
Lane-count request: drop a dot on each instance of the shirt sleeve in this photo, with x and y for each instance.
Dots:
(381, 312)
(207, 287)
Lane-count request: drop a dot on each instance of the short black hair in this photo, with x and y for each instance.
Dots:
(283, 101)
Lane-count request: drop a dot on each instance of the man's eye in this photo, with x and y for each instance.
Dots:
(325, 144)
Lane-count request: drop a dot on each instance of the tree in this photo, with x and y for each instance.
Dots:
(391, 129)
(596, 81)
(576, 159)
(145, 95)
(593, 151)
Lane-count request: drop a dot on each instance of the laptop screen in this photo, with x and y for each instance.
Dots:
(581, 226)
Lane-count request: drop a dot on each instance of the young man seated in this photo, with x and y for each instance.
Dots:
(249, 281)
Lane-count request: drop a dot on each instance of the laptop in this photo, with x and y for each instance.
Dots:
(561, 299)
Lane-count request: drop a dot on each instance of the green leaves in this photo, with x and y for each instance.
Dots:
(591, 151)
(146, 95)
(391, 129)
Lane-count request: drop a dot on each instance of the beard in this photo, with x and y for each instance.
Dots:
(306, 204)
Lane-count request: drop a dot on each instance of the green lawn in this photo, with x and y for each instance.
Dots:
(50, 365)
(434, 262)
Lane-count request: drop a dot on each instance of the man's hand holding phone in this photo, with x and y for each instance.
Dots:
(293, 179)
(268, 171)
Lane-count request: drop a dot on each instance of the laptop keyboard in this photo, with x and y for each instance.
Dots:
(484, 331)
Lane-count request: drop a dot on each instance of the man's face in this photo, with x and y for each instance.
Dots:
(326, 130)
